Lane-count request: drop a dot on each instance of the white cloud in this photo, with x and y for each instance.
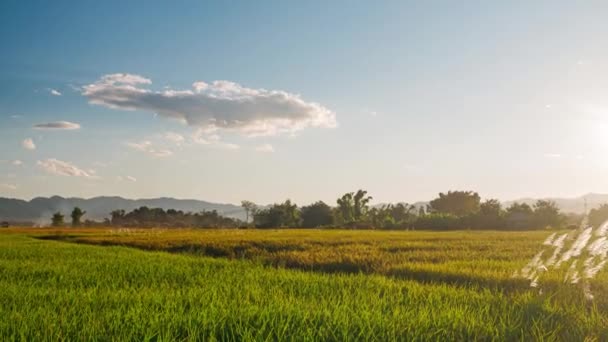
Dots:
(58, 125)
(28, 144)
(140, 146)
(131, 178)
(54, 92)
(221, 105)
(176, 138)
(147, 147)
(552, 155)
(61, 168)
(207, 137)
(8, 186)
(17, 162)
(265, 148)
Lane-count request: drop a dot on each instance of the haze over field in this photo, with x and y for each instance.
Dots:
(266, 101)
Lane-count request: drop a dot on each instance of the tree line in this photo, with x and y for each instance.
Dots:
(448, 211)
(451, 210)
(145, 217)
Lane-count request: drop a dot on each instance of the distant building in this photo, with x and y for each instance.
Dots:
(4, 224)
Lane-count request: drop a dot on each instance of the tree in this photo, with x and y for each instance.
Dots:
(360, 201)
(490, 215)
(57, 219)
(520, 216)
(459, 203)
(281, 215)
(546, 213)
(250, 209)
(77, 214)
(316, 215)
(599, 215)
(346, 208)
(117, 216)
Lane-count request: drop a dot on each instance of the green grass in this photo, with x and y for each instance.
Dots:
(57, 290)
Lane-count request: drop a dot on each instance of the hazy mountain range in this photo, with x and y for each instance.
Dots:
(40, 209)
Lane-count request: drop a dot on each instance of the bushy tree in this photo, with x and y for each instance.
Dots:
(547, 214)
(57, 219)
(316, 215)
(353, 207)
(345, 208)
(458, 203)
(439, 221)
(284, 215)
(490, 215)
(77, 215)
(599, 215)
(520, 216)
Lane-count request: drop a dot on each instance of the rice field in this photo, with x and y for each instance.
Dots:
(116, 284)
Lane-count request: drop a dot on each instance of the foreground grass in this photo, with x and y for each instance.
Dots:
(62, 291)
(474, 258)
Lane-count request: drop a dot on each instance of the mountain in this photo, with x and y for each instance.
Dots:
(40, 209)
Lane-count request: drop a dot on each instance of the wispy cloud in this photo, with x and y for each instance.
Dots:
(28, 144)
(222, 105)
(17, 162)
(202, 137)
(147, 147)
(267, 148)
(62, 168)
(175, 138)
(126, 178)
(57, 125)
(552, 155)
(54, 92)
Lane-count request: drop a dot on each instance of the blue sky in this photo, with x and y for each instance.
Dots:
(313, 99)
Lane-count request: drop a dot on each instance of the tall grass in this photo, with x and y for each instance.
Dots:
(53, 290)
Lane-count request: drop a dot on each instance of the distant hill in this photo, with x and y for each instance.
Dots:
(567, 205)
(40, 209)
(570, 205)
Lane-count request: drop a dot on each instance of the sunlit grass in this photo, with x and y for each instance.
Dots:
(407, 286)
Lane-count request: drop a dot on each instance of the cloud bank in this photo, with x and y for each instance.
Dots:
(58, 125)
(61, 168)
(220, 105)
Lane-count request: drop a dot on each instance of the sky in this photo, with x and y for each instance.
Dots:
(269, 100)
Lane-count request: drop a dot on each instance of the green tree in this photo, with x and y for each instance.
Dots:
(547, 213)
(57, 220)
(360, 204)
(599, 215)
(77, 215)
(346, 206)
(316, 215)
(519, 216)
(459, 203)
(490, 215)
(284, 215)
